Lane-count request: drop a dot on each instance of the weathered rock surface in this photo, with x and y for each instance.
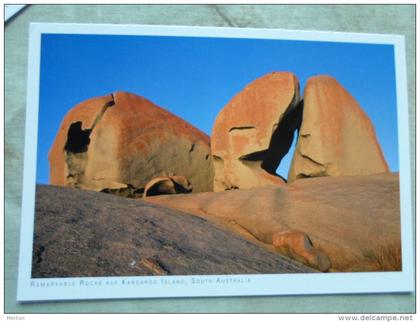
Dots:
(298, 245)
(86, 233)
(119, 142)
(354, 220)
(336, 136)
(254, 131)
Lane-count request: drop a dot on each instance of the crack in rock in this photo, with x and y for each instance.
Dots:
(312, 160)
(155, 266)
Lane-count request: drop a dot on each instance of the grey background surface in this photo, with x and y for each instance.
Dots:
(395, 19)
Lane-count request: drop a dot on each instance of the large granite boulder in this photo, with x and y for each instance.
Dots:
(119, 142)
(254, 131)
(336, 137)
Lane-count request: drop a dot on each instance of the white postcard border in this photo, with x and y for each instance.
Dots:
(30, 289)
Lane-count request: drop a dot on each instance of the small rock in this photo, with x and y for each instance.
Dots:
(298, 245)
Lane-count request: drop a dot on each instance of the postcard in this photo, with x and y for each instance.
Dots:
(201, 161)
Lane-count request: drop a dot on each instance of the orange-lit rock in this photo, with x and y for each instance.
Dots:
(167, 185)
(254, 131)
(336, 136)
(122, 141)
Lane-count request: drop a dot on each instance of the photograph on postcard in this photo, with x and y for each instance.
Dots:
(164, 155)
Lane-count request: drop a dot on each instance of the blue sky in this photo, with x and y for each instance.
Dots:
(195, 77)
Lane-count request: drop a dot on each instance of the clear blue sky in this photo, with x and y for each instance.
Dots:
(195, 77)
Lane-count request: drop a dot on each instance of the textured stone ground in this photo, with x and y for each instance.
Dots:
(82, 233)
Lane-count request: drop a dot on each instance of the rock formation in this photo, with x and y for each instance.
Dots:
(354, 220)
(125, 144)
(87, 233)
(336, 137)
(254, 131)
(298, 245)
(118, 143)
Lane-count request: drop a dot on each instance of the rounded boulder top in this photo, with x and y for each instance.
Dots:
(336, 136)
